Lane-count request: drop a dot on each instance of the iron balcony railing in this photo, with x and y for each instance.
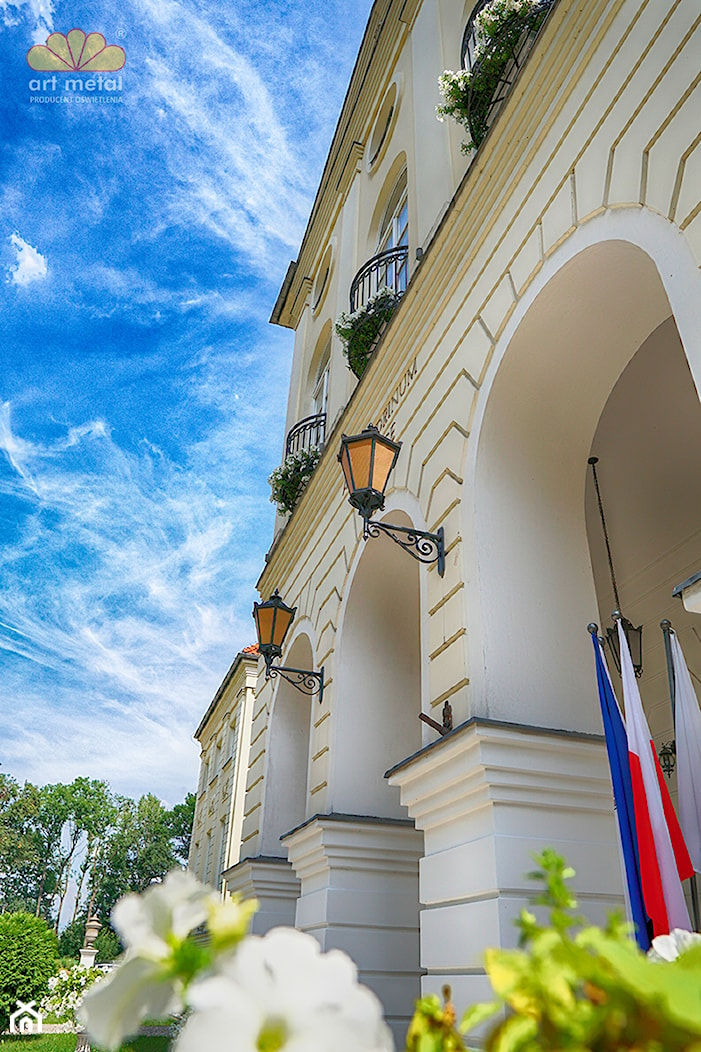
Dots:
(500, 61)
(387, 269)
(307, 434)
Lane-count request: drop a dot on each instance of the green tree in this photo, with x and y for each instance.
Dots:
(21, 848)
(71, 938)
(180, 820)
(28, 957)
(108, 944)
(137, 851)
(53, 807)
(96, 812)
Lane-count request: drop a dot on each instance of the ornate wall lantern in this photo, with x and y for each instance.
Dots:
(273, 620)
(634, 636)
(367, 460)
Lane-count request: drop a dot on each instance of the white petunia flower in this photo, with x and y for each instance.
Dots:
(150, 980)
(281, 993)
(669, 947)
(148, 923)
(113, 1009)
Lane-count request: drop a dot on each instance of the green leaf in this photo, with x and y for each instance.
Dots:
(477, 1014)
(515, 1033)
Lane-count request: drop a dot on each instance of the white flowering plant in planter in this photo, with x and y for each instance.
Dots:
(361, 329)
(187, 951)
(66, 991)
(288, 481)
(468, 93)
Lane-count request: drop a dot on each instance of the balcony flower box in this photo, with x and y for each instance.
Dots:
(497, 40)
(361, 329)
(289, 480)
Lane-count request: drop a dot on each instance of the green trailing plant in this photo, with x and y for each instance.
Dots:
(288, 481)
(574, 986)
(361, 329)
(28, 957)
(468, 94)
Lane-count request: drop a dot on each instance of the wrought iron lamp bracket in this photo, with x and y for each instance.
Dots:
(421, 545)
(305, 680)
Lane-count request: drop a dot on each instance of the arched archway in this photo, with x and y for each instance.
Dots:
(379, 679)
(288, 752)
(648, 440)
(530, 656)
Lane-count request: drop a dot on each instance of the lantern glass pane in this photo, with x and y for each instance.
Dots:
(265, 616)
(383, 463)
(360, 453)
(282, 623)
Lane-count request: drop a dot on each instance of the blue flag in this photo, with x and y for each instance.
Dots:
(617, 748)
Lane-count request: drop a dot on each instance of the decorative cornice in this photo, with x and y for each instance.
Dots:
(488, 763)
(241, 658)
(328, 842)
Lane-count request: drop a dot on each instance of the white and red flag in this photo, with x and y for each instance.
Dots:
(664, 859)
(687, 732)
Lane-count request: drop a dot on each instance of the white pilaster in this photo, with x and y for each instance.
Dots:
(486, 797)
(273, 883)
(359, 878)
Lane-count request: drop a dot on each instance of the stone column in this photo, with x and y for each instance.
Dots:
(487, 796)
(359, 893)
(273, 883)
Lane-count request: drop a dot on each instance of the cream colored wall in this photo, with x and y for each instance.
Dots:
(596, 144)
(220, 802)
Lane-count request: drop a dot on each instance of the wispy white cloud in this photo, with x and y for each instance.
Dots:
(141, 597)
(30, 264)
(237, 175)
(40, 11)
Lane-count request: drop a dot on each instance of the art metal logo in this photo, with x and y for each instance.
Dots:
(26, 1019)
(76, 52)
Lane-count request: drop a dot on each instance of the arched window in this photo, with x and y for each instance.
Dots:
(320, 394)
(394, 234)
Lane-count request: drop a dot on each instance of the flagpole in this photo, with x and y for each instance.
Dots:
(667, 630)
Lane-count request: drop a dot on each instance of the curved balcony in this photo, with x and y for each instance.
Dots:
(496, 64)
(307, 434)
(387, 269)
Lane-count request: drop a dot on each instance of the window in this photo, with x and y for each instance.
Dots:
(320, 396)
(222, 848)
(208, 860)
(231, 744)
(394, 233)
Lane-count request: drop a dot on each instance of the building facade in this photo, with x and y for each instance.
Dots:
(550, 311)
(224, 735)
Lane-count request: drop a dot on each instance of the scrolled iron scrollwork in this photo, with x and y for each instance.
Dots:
(303, 679)
(422, 546)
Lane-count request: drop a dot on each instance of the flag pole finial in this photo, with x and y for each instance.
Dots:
(593, 628)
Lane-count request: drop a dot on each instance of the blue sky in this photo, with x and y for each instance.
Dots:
(142, 391)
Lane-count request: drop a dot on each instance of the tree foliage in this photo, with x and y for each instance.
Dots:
(28, 957)
(180, 822)
(80, 844)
